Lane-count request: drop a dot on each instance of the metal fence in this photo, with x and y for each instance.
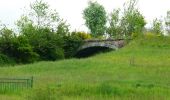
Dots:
(13, 84)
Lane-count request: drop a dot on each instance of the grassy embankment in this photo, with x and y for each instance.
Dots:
(139, 71)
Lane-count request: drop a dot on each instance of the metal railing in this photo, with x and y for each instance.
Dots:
(13, 84)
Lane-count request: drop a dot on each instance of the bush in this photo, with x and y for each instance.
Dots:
(16, 47)
(150, 35)
(47, 44)
(19, 49)
(72, 43)
(5, 60)
(59, 54)
(134, 35)
(82, 35)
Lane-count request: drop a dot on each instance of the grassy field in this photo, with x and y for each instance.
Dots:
(139, 71)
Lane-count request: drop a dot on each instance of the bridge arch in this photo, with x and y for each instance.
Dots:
(92, 50)
(92, 47)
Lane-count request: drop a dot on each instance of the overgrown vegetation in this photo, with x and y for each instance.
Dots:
(112, 76)
(139, 71)
(43, 36)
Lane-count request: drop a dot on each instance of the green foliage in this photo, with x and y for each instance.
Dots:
(48, 35)
(26, 26)
(95, 17)
(82, 35)
(63, 29)
(44, 31)
(33, 43)
(134, 35)
(47, 44)
(23, 51)
(114, 24)
(157, 27)
(72, 43)
(150, 35)
(130, 25)
(132, 20)
(42, 15)
(16, 47)
(5, 60)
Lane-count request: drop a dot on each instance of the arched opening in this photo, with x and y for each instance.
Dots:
(91, 51)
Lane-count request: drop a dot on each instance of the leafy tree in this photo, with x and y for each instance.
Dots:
(16, 47)
(39, 16)
(23, 51)
(95, 17)
(6, 41)
(132, 20)
(42, 15)
(114, 24)
(63, 28)
(47, 44)
(129, 25)
(157, 26)
(43, 31)
(26, 26)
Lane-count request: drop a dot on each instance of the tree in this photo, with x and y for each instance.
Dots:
(42, 15)
(47, 44)
(167, 22)
(132, 20)
(157, 26)
(95, 18)
(114, 24)
(26, 26)
(63, 28)
(16, 47)
(41, 27)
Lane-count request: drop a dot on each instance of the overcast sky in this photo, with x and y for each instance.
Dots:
(71, 10)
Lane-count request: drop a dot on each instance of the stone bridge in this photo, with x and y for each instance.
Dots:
(93, 46)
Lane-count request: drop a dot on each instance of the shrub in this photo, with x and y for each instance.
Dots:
(23, 51)
(16, 47)
(82, 35)
(134, 35)
(72, 43)
(47, 44)
(5, 60)
(19, 49)
(59, 54)
(149, 35)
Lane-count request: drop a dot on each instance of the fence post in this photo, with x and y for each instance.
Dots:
(31, 82)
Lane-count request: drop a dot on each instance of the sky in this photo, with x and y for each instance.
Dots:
(71, 10)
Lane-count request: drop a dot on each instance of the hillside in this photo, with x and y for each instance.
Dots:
(139, 71)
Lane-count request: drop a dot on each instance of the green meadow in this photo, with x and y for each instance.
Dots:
(138, 71)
